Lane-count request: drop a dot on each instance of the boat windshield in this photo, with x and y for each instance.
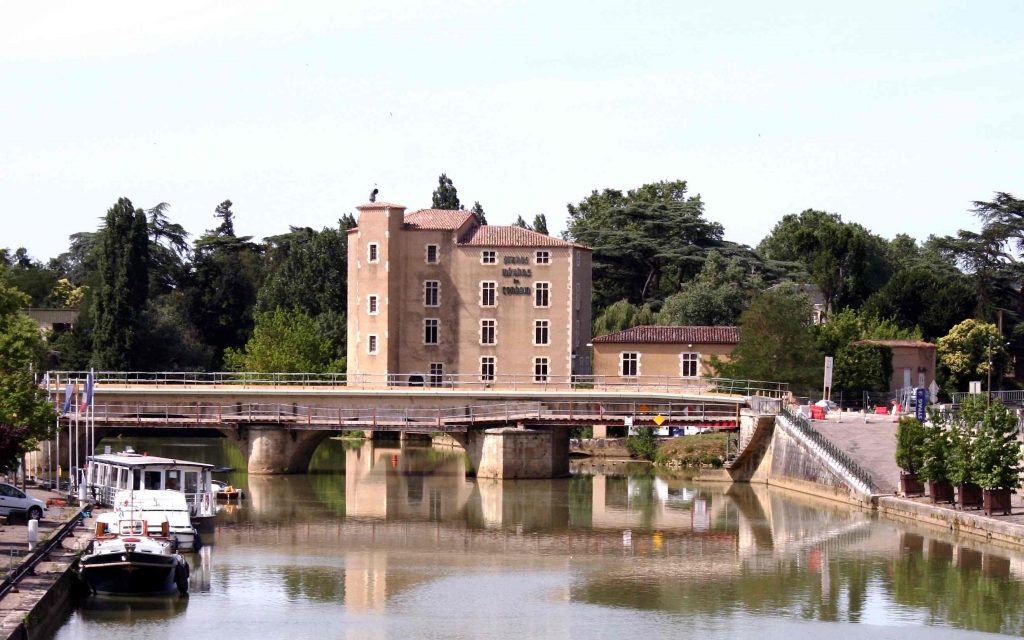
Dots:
(132, 527)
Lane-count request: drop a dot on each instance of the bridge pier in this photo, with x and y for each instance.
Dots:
(517, 452)
(271, 449)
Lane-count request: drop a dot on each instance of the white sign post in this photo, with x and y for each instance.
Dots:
(828, 379)
(933, 390)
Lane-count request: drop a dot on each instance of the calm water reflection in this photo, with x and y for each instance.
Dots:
(381, 541)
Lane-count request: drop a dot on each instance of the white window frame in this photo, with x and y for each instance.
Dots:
(687, 359)
(437, 254)
(494, 284)
(542, 253)
(493, 361)
(542, 378)
(436, 376)
(426, 288)
(437, 331)
(488, 253)
(372, 248)
(372, 344)
(547, 332)
(622, 364)
(494, 332)
(372, 304)
(537, 288)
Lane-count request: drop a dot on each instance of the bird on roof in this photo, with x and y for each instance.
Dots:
(373, 195)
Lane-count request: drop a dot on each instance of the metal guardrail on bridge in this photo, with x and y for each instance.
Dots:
(473, 382)
(1007, 396)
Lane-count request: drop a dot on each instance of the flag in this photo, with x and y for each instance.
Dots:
(87, 402)
(68, 392)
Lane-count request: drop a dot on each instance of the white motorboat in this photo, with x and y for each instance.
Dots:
(156, 507)
(125, 558)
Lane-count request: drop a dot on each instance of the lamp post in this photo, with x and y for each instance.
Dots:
(989, 402)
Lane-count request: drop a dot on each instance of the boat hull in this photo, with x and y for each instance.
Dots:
(138, 574)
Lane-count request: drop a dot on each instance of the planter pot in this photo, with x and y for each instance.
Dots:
(910, 485)
(941, 492)
(997, 501)
(969, 496)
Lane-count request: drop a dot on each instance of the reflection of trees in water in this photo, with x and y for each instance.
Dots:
(581, 502)
(320, 584)
(329, 457)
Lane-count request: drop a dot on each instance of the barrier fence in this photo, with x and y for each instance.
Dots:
(826, 447)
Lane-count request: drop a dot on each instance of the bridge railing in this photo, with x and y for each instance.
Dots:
(1006, 396)
(472, 382)
(185, 415)
(827, 448)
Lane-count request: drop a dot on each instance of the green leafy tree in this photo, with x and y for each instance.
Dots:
(479, 211)
(776, 342)
(310, 273)
(30, 277)
(621, 316)
(997, 449)
(540, 224)
(26, 416)
(446, 196)
(520, 223)
(168, 249)
(123, 265)
(643, 445)
(287, 342)
(964, 354)
(932, 299)
(936, 449)
(715, 297)
(962, 429)
(910, 440)
(858, 367)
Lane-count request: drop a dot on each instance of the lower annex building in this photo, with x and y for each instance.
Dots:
(435, 298)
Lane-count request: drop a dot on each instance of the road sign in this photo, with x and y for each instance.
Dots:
(828, 372)
(933, 390)
(919, 404)
(659, 419)
(644, 408)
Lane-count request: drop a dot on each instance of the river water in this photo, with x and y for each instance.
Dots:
(380, 541)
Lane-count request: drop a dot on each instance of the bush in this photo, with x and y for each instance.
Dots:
(935, 450)
(642, 445)
(997, 450)
(910, 439)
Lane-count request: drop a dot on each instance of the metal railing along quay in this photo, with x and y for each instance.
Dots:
(472, 382)
(826, 446)
(28, 565)
(1006, 396)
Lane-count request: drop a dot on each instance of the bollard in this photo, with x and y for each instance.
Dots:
(33, 533)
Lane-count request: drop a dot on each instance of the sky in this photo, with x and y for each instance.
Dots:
(896, 115)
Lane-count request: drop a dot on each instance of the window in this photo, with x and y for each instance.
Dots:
(173, 481)
(488, 257)
(541, 294)
(540, 332)
(191, 482)
(430, 327)
(372, 253)
(577, 296)
(371, 305)
(488, 294)
(542, 257)
(540, 369)
(371, 344)
(689, 365)
(577, 258)
(487, 368)
(431, 293)
(153, 480)
(576, 334)
(630, 364)
(436, 374)
(432, 254)
(487, 332)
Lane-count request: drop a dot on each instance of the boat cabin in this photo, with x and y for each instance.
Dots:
(108, 473)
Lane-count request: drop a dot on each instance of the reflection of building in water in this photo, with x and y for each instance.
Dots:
(366, 582)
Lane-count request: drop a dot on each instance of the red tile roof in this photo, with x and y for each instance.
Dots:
(675, 335)
(500, 236)
(920, 344)
(437, 219)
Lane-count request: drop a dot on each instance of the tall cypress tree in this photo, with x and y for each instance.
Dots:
(123, 289)
(446, 196)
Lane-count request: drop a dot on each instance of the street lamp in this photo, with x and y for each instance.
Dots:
(989, 403)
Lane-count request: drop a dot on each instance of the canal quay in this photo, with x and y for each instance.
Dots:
(388, 539)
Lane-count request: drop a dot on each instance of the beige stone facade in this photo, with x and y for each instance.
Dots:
(646, 352)
(436, 298)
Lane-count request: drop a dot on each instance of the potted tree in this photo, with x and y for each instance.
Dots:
(997, 455)
(935, 467)
(963, 468)
(909, 455)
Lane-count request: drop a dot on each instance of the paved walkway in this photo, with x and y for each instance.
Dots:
(872, 445)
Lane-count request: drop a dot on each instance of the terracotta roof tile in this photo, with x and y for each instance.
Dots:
(897, 343)
(437, 219)
(675, 335)
(500, 236)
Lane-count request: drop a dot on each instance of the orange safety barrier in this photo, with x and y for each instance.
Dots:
(817, 413)
(881, 411)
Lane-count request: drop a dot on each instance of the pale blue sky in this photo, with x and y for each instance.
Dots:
(894, 114)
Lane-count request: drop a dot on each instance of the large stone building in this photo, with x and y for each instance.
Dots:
(675, 352)
(436, 298)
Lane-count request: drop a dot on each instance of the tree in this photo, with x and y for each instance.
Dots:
(520, 223)
(936, 449)
(287, 342)
(910, 438)
(540, 224)
(479, 211)
(997, 449)
(446, 196)
(621, 316)
(168, 249)
(643, 445)
(929, 298)
(640, 237)
(962, 429)
(26, 416)
(123, 267)
(715, 297)
(858, 367)
(309, 274)
(776, 342)
(965, 351)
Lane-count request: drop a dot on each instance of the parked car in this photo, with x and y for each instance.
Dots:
(14, 501)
